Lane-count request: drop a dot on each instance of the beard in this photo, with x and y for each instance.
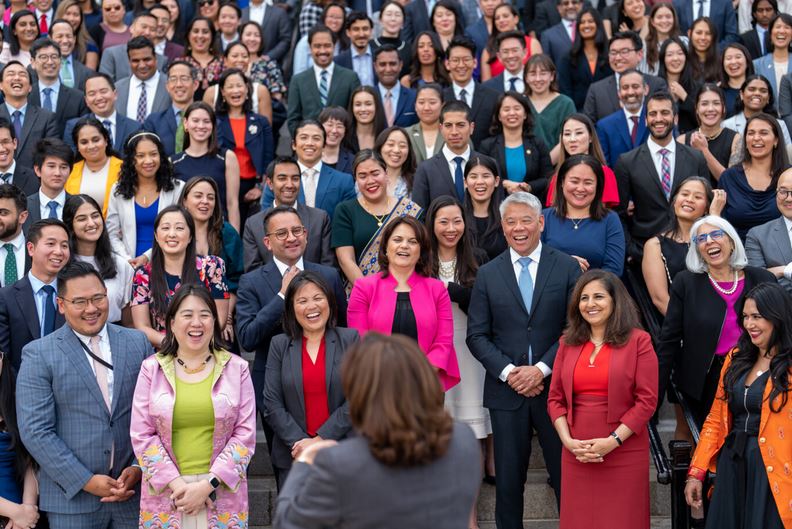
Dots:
(6, 231)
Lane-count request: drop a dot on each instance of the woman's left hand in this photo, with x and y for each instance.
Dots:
(252, 195)
(698, 141)
(599, 448)
(302, 444)
(228, 331)
(193, 497)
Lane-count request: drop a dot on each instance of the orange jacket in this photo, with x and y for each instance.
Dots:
(775, 444)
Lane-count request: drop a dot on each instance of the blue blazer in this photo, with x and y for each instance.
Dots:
(764, 66)
(164, 125)
(404, 115)
(258, 139)
(478, 32)
(125, 127)
(614, 135)
(556, 43)
(334, 187)
(722, 14)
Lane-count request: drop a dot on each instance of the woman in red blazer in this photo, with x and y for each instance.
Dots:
(602, 394)
(404, 299)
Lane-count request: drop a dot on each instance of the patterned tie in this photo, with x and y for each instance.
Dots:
(323, 88)
(142, 104)
(48, 99)
(459, 179)
(11, 275)
(665, 168)
(309, 185)
(53, 209)
(109, 128)
(49, 310)
(17, 120)
(43, 24)
(389, 107)
(7, 177)
(526, 283)
(179, 133)
(513, 84)
(634, 132)
(463, 96)
(65, 73)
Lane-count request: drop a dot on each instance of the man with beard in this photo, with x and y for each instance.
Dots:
(14, 259)
(12, 172)
(557, 40)
(648, 174)
(625, 129)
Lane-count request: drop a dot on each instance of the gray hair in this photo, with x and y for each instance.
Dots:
(521, 197)
(695, 262)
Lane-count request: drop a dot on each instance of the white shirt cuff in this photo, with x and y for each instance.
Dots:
(788, 271)
(505, 373)
(280, 295)
(543, 368)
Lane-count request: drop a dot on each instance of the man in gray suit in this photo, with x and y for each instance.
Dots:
(74, 403)
(115, 60)
(145, 92)
(769, 245)
(283, 178)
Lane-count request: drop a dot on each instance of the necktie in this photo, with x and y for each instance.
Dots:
(48, 99)
(53, 209)
(100, 370)
(49, 309)
(665, 169)
(180, 133)
(389, 107)
(526, 283)
(572, 31)
(309, 182)
(463, 96)
(7, 177)
(701, 9)
(142, 104)
(10, 276)
(513, 84)
(634, 131)
(17, 119)
(459, 179)
(109, 128)
(43, 24)
(323, 88)
(65, 74)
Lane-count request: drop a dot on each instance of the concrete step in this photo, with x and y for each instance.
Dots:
(658, 522)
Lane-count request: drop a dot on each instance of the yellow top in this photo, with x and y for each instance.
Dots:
(193, 426)
(74, 182)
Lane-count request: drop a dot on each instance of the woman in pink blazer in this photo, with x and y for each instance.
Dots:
(403, 299)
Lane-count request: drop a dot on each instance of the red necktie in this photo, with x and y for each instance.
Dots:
(43, 24)
(634, 133)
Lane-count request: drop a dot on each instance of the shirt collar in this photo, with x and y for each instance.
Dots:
(469, 88)
(102, 334)
(534, 255)
(384, 89)
(355, 53)
(37, 283)
(303, 167)
(17, 242)
(60, 199)
(318, 71)
(11, 108)
(11, 168)
(654, 148)
(55, 86)
(283, 266)
(788, 224)
(629, 114)
(150, 82)
(450, 155)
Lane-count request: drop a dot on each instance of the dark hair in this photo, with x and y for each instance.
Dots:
(455, 105)
(436, 88)
(381, 370)
(101, 75)
(290, 325)
(408, 167)
(200, 105)
(169, 344)
(158, 285)
(769, 108)
(13, 63)
(90, 121)
(16, 194)
(278, 211)
(380, 122)
(263, 44)
(212, 37)
(632, 36)
(357, 16)
(466, 263)
(652, 38)
(305, 123)
(786, 18)
(623, 319)
(386, 48)
(365, 155)
(439, 73)
(749, 69)
(36, 229)
(235, 44)
(506, 35)
(755, 8)
(140, 43)
(774, 305)
(73, 270)
(597, 210)
(674, 230)
(600, 39)
(544, 62)
(22, 459)
(662, 95)
(340, 37)
(277, 161)
(339, 113)
(13, 40)
(127, 176)
(215, 226)
(708, 69)
(320, 28)
(459, 18)
(232, 6)
(496, 127)
(717, 90)
(221, 107)
(424, 265)
(104, 250)
(595, 148)
(182, 62)
(494, 217)
(686, 77)
(40, 44)
(52, 148)
(5, 124)
(780, 161)
(495, 38)
(460, 41)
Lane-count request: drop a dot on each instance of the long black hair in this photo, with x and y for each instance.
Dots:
(687, 75)
(493, 217)
(466, 263)
(673, 229)
(774, 305)
(221, 107)
(600, 39)
(408, 167)
(169, 345)
(290, 325)
(127, 176)
(103, 253)
(597, 209)
(90, 121)
(13, 39)
(779, 156)
(8, 416)
(440, 72)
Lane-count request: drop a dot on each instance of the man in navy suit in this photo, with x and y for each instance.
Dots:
(480, 30)
(416, 19)
(321, 186)
(182, 82)
(557, 40)
(625, 129)
(720, 12)
(359, 57)
(398, 101)
(13, 173)
(510, 46)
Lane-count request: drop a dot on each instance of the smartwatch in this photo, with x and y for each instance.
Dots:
(214, 482)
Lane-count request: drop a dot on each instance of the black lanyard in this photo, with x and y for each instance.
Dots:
(92, 355)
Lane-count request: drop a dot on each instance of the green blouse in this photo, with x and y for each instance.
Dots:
(353, 226)
(193, 426)
(547, 123)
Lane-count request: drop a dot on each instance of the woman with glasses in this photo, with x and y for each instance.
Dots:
(549, 107)
(201, 54)
(336, 152)
(209, 9)
(113, 30)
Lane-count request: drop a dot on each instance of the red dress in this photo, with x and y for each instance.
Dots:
(610, 193)
(614, 493)
(314, 389)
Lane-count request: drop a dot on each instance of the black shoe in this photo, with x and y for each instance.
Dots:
(489, 479)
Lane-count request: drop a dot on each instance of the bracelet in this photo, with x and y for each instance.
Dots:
(616, 436)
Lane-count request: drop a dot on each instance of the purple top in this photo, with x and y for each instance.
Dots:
(730, 331)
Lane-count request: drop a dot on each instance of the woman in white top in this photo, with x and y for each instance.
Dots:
(778, 62)
(24, 30)
(89, 243)
(756, 95)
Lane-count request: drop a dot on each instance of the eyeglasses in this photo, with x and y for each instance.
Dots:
(283, 234)
(184, 79)
(783, 194)
(52, 57)
(82, 303)
(202, 3)
(715, 235)
(113, 8)
(456, 61)
(621, 53)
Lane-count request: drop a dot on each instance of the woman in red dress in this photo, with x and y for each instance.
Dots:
(602, 394)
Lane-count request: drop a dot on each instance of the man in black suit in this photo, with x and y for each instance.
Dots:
(283, 178)
(73, 73)
(442, 173)
(52, 163)
(545, 16)
(757, 40)
(510, 46)
(642, 179)
(557, 39)
(416, 19)
(182, 82)
(14, 259)
(360, 56)
(48, 92)
(517, 314)
(30, 123)
(461, 62)
(27, 308)
(625, 51)
(10, 171)
(275, 24)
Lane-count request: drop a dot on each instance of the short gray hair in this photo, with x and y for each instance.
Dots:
(521, 197)
(695, 262)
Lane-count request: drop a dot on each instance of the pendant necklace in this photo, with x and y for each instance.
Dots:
(195, 370)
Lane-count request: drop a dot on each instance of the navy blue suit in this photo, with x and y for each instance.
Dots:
(258, 139)
(404, 114)
(125, 127)
(333, 188)
(614, 135)
(478, 32)
(722, 14)
(574, 80)
(164, 125)
(556, 42)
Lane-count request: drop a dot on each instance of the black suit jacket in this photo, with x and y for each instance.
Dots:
(433, 179)
(71, 104)
(34, 209)
(81, 73)
(416, 20)
(345, 59)
(19, 321)
(546, 16)
(750, 39)
(38, 124)
(26, 180)
(538, 167)
(260, 309)
(482, 110)
(500, 330)
(575, 80)
(602, 98)
(28, 264)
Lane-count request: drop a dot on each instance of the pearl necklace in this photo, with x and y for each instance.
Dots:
(724, 291)
(448, 268)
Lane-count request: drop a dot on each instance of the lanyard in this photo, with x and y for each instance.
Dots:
(92, 355)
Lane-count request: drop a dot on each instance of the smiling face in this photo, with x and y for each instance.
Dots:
(428, 106)
(209, 9)
(193, 325)
(717, 249)
(449, 226)
(632, 91)
(460, 64)
(88, 224)
(760, 139)
(7, 148)
(311, 308)
(634, 9)
(92, 145)
(322, 49)
(758, 328)
(701, 37)
(587, 27)
(481, 183)
(334, 19)
(622, 55)
(691, 201)
(308, 143)
(251, 38)
(63, 35)
(143, 63)
(663, 20)
(387, 67)
(144, 26)
(11, 219)
(180, 85)
(89, 320)
(444, 21)
(511, 53)
(575, 137)
(596, 304)
(147, 159)
(334, 132)
(756, 95)
(201, 202)
(522, 226)
(363, 108)
(709, 109)
(228, 20)
(50, 253)
(539, 79)
(569, 9)
(290, 249)
(285, 183)
(235, 90)
(200, 37)
(113, 11)
(660, 118)
(511, 114)
(372, 180)
(674, 59)
(504, 19)
(403, 249)
(163, 17)
(199, 125)
(16, 83)
(734, 62)
(579, 186)
(780, 34)
(47, 63)
(172, 234)
(396, 149)
(26, 31)
(238, 57)
(359, 33)
(100, 97)
(784, 194)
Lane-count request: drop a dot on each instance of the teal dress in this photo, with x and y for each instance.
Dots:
(547, 123)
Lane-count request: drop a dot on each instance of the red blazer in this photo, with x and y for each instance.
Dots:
(372, 305)
(632, 382)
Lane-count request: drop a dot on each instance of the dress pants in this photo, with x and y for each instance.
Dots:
(122, 515)
(512, 432)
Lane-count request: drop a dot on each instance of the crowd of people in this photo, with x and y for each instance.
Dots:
(407, 212)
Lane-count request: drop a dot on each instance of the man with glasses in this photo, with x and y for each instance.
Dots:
(182, 82)
(261, 294)
(557, 40)
(47, 91)
(74, 398)
(170, 50)
(625, 52)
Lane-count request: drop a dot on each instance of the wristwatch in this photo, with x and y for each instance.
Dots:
(214, 482)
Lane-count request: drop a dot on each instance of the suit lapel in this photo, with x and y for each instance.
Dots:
(272, 276)
(27, 306)
(507, 272)
(70, 345)
(295, 359)
(613, 92)
(781, 238)
(31, 114)
(419, 142)
(331, 343)
(543, 271)
(624, 130)
(119, 364)
(322, 185)
(402, 102)
(649, 168)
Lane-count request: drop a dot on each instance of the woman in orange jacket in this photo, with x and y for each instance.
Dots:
(746, 436)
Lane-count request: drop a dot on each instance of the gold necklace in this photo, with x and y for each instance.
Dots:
(379, 218)
(192, 371)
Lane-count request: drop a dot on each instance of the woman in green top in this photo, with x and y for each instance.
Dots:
(358, 223)
(549, 107)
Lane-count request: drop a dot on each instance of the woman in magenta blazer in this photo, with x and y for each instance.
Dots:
(403, 299)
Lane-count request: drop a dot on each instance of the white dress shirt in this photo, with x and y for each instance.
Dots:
(630, 123)
(107, 356)
(11, 169)
(19, 250)
(470, 88)
(450, 155)
(256, 12)
(283, 267)
(44, 199)
(318, 75)
(310, 182)
(657, 158)
(53, 96)
(40, 297)
(134, 95)
(569, 26)
(707, 6)
(113, 119)
(508, 76)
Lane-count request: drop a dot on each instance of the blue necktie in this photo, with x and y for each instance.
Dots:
(53, 207)
(109, 127)
(513, 84)
(17, 121)
(459, 179)
(49, 309)
(48, 99)
(526, 283)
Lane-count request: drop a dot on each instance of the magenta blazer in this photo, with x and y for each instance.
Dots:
(372, 306)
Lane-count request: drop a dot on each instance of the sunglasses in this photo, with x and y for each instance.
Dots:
(202, 3)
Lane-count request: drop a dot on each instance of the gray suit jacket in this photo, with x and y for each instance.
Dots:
(115, 62)
(63, 419)
(70, 105)
(768, 245)
(38, 124)
(602, 98)
(277, 31)
(162, 100)
(284, 404)
(318, 249)
(418, 145)
(433, 178)
(434, 496)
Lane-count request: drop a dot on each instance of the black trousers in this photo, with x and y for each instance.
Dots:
(512, 432)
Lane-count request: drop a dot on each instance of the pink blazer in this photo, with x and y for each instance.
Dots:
(372, 306)
(632, 382)
(232, 446)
